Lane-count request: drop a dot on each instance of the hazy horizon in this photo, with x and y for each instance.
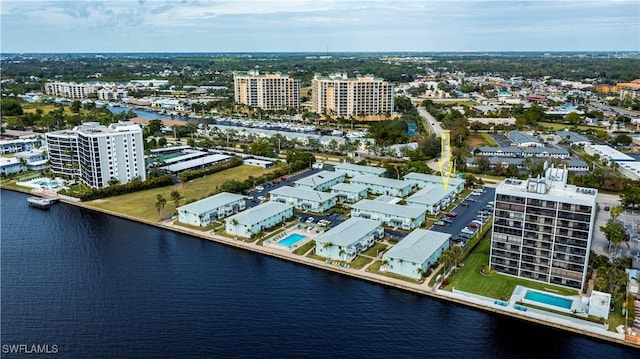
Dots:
(316, 26)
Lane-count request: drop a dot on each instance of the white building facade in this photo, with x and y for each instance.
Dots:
(69, 90)
(416, 252)
(542, 229)
(321, 181)
(201, 213)
(348, 239)
(349, 192)
(386, 186)
(266, 91)
(351, 170)
(96, 154)
(304, 199)
(338, 95)
(259, 218)
(392, 215)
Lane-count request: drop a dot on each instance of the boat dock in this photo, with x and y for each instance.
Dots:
(42, 203)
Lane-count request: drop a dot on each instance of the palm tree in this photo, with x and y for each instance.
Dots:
(175, 197)
(342, 252)
(234, 222)
(420, 271)
(326, 245)
(615, 212)
(160, 202)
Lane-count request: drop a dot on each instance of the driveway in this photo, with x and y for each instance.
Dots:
(464, 215)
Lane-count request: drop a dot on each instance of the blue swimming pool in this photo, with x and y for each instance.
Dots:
(549, 299)
(291, 239)
(46, 183)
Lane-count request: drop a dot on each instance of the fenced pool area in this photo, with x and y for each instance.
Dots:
(547, 300)
(291, 240)
(44, 183)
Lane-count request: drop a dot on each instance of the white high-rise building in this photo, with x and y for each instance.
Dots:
(542, 229)
(266, 91)
(95, 154)
(337, 95)
(69, 89)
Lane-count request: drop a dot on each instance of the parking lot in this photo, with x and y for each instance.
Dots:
(256, 195)
(464, 215)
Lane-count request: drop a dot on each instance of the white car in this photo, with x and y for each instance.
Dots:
(474, 193)
(310, 220)
(468, 230)
(259, 188)
(261, 198)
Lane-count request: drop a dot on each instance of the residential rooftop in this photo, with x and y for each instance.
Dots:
(348, 231)
(418, 245)
(304, 194)
(388, 208)
(209, 203)
(260, 212)
(382, 181)
(319, 178)
(361, 168)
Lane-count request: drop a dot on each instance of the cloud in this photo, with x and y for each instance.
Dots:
(248, 25)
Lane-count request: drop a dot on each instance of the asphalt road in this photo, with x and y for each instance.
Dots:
(464, 215)
(431, 121)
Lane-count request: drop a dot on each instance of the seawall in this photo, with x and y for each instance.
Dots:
(421, 289)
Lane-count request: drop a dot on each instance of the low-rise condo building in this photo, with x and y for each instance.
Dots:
(522, 139)
(321, 181)
(349, 192)
(382, 185)
(348, 239)
(259, 218)
(416, 252)
(304, 199)
(542, 229)
(201, 213)
(392, 215)
(433, 197)
(422, 180)
(20, 145)
(351, 170)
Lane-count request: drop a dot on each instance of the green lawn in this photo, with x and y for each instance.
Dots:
(206, 228)
(359, 262)
(469, 279)
(373, 251)
(561, 126)
(305, 248)
(142, 204)
(375, 268)
(481, 139)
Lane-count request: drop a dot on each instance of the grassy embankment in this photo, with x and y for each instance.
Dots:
(469, 279)
(142, 204)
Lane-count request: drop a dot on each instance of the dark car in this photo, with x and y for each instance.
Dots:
(607, 208)
(446, 220)
(464, 204)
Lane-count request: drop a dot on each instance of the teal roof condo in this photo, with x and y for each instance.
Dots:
(348, 239)
(352, 170)
(204, 211)
(321, 181)
(393, 215)
(416, 252)
(258, 218)
(304, 199)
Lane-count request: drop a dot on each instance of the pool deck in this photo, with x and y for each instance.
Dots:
(300, 230)
(520, 292)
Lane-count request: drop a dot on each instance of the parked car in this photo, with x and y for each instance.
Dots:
(473, 225)
(607, 208)
(470, 200)
(474, 193)
(259, 188)
(439, 223)
(465, 235)
(450, 214)
(468, 230)
(464, 204)
(446, 220)
(285, 179)
(275, 181)
(310, 220)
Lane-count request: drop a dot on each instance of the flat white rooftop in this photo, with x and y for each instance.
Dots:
(389, 209)
(368, 169)
(212, 202)
(418, 245)
(319, 178)
(381, 181)
(304, 194)
(609, 152)
(559, 193)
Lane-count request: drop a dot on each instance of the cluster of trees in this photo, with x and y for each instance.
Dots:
(130, 187)
(230, 163)
(610, 274)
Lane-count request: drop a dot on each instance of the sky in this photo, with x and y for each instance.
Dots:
(92, 26)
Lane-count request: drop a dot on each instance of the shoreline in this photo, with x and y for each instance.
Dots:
(359, 274)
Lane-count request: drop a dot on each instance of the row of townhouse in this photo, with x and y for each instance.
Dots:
(516, 152)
